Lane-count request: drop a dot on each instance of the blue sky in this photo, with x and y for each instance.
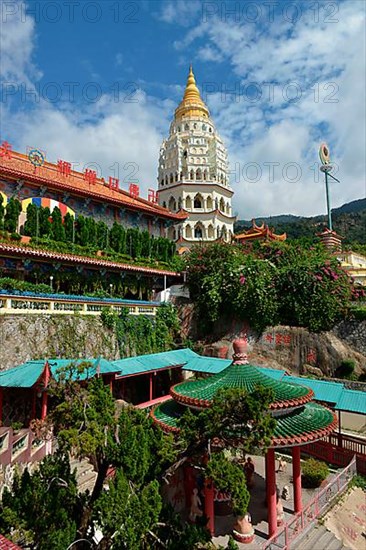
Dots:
(98, 82)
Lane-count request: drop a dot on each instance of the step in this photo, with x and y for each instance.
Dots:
(87, 482)
(309, 542)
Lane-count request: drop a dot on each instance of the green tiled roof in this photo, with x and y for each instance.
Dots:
(23, 376)
(308, 421)
(209, 365)
(352, 401)
(153, 361)
(27, 374)
(239, 376)
(326, 391)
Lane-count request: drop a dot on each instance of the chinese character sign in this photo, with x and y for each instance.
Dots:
(113, 183)
(90, 176)
(6, 150)
(152, 196)
(134, 190)
(64, 167)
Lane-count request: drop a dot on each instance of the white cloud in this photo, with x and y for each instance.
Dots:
(180, 12)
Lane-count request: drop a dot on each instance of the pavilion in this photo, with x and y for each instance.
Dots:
(299, 420)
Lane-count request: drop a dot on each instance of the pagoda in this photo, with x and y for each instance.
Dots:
(193, 174)
(299, 420)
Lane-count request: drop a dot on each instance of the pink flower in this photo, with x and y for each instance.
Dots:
(242, 280)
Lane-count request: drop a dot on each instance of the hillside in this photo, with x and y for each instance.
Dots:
(349, 220)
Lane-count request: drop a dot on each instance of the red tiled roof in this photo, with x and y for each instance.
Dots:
(19, 167)
(21, 251)
(6, 544)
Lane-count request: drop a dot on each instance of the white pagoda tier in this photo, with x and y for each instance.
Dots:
(194, 174)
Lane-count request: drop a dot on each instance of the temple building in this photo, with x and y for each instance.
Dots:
(261, 233)
(193, 174)
(30, 178)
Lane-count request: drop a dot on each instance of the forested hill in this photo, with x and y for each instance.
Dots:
(349, 220)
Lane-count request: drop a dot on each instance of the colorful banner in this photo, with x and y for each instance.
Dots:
(50, 203)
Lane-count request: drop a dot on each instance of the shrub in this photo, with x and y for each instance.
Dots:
(314, 472)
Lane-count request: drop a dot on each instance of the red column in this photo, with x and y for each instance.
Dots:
(271, 492)
(209, 506)
(34, 397)
(296, 475)
(44, 405)
(151, 387)
(1, 403)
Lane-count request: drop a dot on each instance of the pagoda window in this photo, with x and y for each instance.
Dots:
(188, 232)
(199, 174)
(174, 234)
(188, 203)
(171, 178)
(181, 176)
(198, 233)
(176, 176)
(228, 208)
(164, 204)
(195, 126)
(197, 201)
(210, 232)
(218, 231)
(178, 128)
(179, 203)
(186, 127)
(210, 129)
(205, 175)
(191, 175)
(166, 180)
(222, 205)
(204, 127)
(224, 232)
(172, 204)
(162, 182)
(209, 203)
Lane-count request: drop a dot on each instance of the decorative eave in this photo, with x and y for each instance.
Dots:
(209, 214)
(19, 251)
(205, 403)
(205, 183)
(20, 168)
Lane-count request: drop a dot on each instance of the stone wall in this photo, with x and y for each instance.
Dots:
(26, 337)
(353, 333)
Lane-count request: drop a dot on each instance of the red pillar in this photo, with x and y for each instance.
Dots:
(1, 403)
(271, 492)
(44, 405)
(209, 506)
(296, 475)
(34, 398)
(151, 387)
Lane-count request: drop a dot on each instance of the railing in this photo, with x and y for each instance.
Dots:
(58, 304)
(338, 449)
(286, 535)
(21, 446)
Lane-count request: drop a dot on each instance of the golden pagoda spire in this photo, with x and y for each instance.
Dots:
(191, 104)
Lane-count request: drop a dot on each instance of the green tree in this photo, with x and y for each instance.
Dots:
(30, 226)
(43, 508)
(115, 237)
(44, 215)
(92, 232)
(13, 209)
(2, 211)
(57, 228)
(102, 235)
(69, 227)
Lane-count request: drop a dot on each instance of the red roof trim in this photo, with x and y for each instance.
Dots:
(73, 258)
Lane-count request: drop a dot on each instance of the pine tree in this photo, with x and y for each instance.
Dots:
(30, 226)
(2, 211)
(69, 227)
(57, 228)
(13, 209)
(44, 215)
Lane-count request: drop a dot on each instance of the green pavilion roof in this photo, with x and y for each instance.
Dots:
(312, 422)
(200, 393)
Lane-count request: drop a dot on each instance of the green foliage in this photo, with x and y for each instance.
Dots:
(2, 212)
(7, 283)
(57, 228)
(248, 412)
(279, 282)
(314, 472)
(138, 335)
(231, 545)
(229, 477)
(346, 369)
(359, 481)
(44, 222)
(30, 226)
(178, 535)
(12, 211)
(42, 508)
(358, 313)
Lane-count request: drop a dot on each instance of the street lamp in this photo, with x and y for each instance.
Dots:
(51, 282)
(110, 288)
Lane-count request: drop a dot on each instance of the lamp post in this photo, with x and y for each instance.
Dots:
(326, 168)
(51, 282)
(110, 288)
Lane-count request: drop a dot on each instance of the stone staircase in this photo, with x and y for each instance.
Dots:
(85, 474)
(319, 538)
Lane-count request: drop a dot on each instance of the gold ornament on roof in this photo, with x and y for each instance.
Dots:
(191, 104)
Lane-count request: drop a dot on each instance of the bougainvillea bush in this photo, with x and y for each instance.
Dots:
(275, 283)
